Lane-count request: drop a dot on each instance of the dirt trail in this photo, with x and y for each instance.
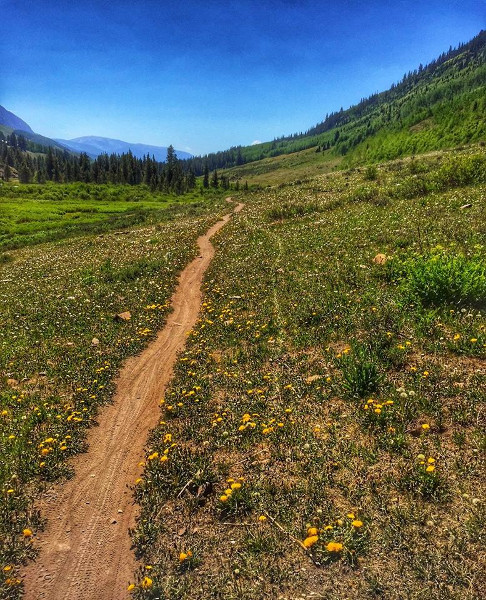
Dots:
(85, 551)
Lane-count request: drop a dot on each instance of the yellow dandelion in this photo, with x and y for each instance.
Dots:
(334, 547)
(310, 541)
(146, 583)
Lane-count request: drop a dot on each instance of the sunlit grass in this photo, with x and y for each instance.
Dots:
(347, 410)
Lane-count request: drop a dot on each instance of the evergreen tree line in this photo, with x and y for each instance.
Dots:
(51, 164)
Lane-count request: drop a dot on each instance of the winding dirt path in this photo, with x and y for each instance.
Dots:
(85, 551)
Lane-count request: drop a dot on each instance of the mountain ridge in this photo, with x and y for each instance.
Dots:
(449, 91)
(92, 145)
(9, 119)
(95, 145)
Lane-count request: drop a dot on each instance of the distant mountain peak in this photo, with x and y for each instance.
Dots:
(94, 145)
(8, 119)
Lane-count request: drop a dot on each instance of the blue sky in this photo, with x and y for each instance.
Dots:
(208, 75)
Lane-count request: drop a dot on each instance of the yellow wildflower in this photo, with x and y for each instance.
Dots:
(334, 547)
(310, 541)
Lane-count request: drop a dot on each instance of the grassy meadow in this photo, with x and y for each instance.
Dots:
(60, 345)
(285, 168)
(322, 435)
(32, 214)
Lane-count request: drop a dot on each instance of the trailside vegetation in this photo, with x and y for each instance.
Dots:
(322, 434)
(61, 347)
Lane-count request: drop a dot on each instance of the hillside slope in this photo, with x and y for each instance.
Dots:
(441, 105)
(8, 119)
(322, 435)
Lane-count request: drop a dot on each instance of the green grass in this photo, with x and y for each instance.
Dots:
(32, 214)
(321, 394)
(55, 298)
(446, 279)
(313, 380)
(284, 169)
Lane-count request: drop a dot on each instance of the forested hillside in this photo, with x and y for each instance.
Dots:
(440, 105)
(31, 162)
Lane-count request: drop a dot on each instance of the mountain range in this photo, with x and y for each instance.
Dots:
(93, 146)
(439, 105)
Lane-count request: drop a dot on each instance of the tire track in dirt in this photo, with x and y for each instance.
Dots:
(85, 550)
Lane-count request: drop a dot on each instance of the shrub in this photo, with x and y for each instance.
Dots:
(5, 258)
(290, 211)
(364, 193)
(412, 187)
(360, 372)
(441, 279)
(462, 170)
(371, 173)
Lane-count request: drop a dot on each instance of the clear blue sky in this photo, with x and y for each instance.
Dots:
(211, 74)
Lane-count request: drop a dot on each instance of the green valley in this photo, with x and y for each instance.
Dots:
(318, 432)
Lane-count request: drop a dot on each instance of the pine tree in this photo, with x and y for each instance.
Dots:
(50, 164)
(24, 174)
